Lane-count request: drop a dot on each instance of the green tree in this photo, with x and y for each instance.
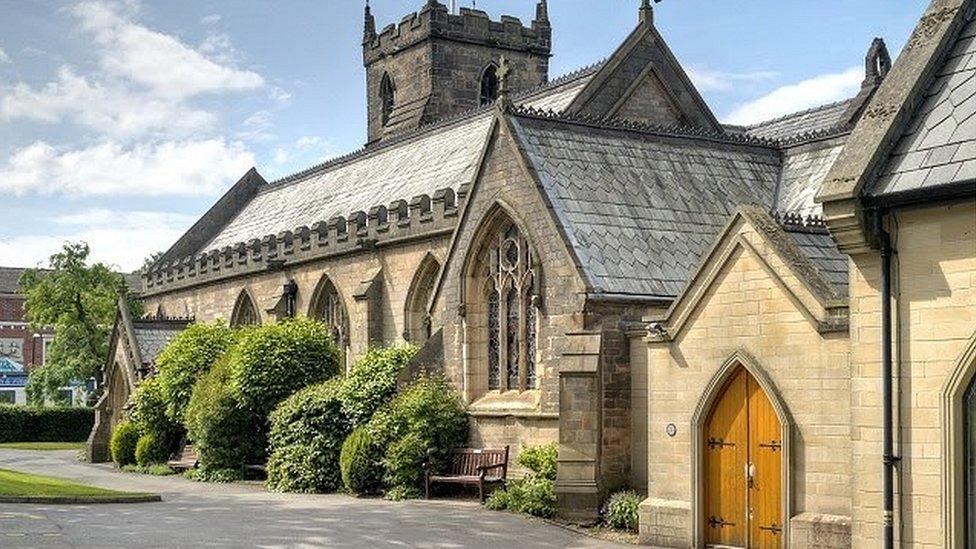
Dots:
(79, 300)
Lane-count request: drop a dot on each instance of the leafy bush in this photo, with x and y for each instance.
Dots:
(36, 424)
(423, 423)
(373, 381)
(184, 359)
(541, 460)
(152, 449)
(123, 443)
(533, 495)
(307, 433)
(497, 501)
(156, 469)
(225, 435)
(621, 510)
(361, 463)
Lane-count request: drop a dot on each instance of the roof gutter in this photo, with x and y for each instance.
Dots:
(642, 299)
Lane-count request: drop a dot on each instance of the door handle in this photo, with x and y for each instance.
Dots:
(751, 474)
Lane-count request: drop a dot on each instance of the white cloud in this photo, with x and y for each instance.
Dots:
(161, 63)
(312, 141)
(119, 238)
(107, 108)
(211, 19)
(4, 58)
(178, 168)
(813, 92)
(712, 80)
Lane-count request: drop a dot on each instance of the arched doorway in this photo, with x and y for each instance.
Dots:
(743, 465)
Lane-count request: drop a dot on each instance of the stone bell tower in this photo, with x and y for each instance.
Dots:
(436, 64)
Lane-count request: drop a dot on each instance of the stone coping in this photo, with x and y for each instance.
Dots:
(83, 500)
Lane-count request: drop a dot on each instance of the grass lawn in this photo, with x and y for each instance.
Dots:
(43, 446)
(16, 484)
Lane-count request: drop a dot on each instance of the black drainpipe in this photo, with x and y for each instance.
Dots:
(889, 459)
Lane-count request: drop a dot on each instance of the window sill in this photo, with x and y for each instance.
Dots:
(510, 404)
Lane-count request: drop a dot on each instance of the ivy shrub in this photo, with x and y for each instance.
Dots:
(152, 449)
(185, 358)
(621, 510)
(541, 459)
(225, 435)
(423, 423)
(361, 463)
(122, 445)
(305, 441)
(271, 362)
(43, 424)
(372, 382)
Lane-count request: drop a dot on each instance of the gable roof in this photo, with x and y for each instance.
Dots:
(398, 168)
(644, 52)
(938, 145)
(825, 118)
(640, 206)
(887, 117)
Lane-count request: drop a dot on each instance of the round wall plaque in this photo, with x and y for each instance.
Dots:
(672, 429)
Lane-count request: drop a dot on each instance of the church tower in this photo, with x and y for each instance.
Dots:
(435, 63)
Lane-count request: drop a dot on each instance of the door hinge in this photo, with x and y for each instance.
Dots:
(718, 442)
(775, 529)
(719, 522)
(772, 445)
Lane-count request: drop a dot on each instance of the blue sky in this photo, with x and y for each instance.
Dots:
(121, 121)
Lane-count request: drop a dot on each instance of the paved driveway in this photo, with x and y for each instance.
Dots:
(241, 515)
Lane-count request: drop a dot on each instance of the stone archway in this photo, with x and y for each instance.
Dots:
(754, 460)
(959, 454)
(416, 317)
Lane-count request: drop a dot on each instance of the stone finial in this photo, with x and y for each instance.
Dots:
(647, 12)
(369, 26)
(504, 71)
(877, 63)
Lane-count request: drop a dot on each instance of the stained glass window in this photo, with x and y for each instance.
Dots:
(512, 315)
(327, 307)
(245, 313)
(494, 345)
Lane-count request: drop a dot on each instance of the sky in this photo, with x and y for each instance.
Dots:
(122, 121)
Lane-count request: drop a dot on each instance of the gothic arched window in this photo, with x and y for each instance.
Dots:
(245, 313)
(417, 327)
(489, 84)
(387, 97)
(328, 308)
(509, 279)
(969, 425)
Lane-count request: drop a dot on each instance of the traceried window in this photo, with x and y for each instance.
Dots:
(387, 98)
(969, 425)
(511, 310)
(327, 307)
(489, 84)
(417, 328)
(245, 313)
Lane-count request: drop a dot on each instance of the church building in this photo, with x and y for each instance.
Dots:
(769, 331)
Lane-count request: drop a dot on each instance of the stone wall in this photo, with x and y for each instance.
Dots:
(935, 311)
(746, 309)
(395, 267)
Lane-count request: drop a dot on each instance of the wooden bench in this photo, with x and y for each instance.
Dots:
(187, 459)
(471, 466)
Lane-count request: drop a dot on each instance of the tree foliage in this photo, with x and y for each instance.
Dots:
(78, 300)
(184, 359)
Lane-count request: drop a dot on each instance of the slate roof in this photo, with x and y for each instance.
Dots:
(9, 277)
(825, 118)
(152, 335)
(804, 169)
(938, 147)
(399, 168)
(640, 207)
(820, 247)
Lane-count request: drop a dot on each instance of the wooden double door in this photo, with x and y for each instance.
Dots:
(743, 464)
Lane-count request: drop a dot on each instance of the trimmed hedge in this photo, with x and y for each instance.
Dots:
(123, 443)
(361, 463)
(152, 449)
(37, 424)
(187, 357)
(373, 381)
(307, 432)
(226, 435)
(272, 362)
